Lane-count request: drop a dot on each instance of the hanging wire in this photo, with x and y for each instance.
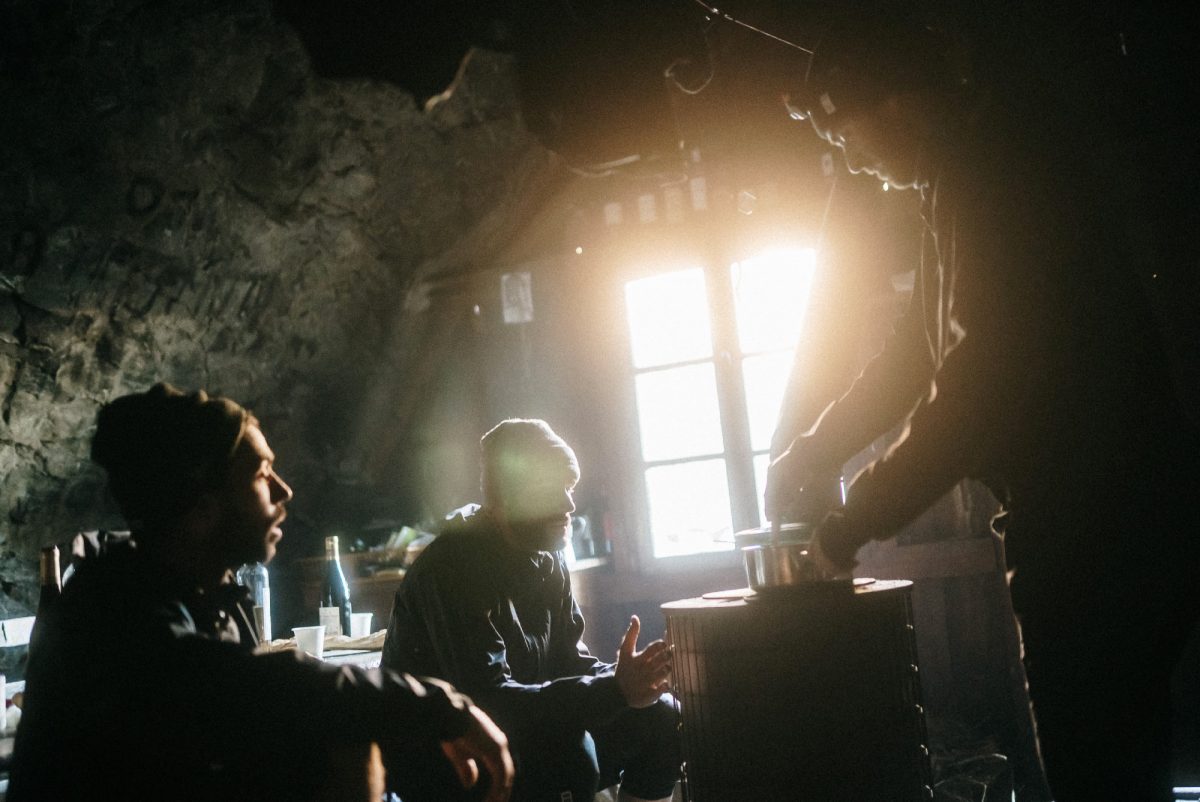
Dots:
(715, 12)
(671, 71)
(605, 169)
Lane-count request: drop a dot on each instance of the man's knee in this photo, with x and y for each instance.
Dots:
(643, 748)
(658, 724)
(550, 763)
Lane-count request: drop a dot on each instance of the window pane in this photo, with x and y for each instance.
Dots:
(668, 318)
(689, 508)
(772, 293)
(678, 413)
(766, 377)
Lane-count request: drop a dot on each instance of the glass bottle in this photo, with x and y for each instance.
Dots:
(335, 593)
(49, 576)
(50, 582)
(253, 577)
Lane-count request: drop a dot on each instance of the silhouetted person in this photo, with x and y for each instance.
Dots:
(488, 606)
(144, 684)
(1028, 359)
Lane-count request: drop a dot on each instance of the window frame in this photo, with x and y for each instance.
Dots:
(727, 359)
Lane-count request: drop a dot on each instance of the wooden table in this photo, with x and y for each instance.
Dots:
(362, 658)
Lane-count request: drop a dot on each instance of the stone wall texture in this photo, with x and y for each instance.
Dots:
(182, 199)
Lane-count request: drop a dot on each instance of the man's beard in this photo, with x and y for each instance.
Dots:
(545, 534)
(249, 541)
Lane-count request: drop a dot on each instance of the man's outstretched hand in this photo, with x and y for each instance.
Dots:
(801, 485)
(646, 675)
(484, 743)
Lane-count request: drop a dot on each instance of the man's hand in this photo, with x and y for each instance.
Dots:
(820, 564)
(800, 481)
(646, 675)
(831, 530)
(483, 743)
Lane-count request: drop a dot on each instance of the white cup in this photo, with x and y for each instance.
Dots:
(360, 625)
(311, 640)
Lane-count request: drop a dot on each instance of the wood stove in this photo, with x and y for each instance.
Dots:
(808, 693)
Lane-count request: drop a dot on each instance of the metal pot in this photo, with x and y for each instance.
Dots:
(771, 561)
(770, 565)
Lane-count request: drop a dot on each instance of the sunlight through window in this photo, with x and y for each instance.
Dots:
(689, 507)
(678, 413)
(771, 293)
(684, 416)
(765, 378)
(668, 318)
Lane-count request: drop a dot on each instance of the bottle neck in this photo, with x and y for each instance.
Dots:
(49, 575)
(331, 549)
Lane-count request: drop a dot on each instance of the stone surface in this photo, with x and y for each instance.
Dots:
(181, 199)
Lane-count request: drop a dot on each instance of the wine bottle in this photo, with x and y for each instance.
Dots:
(50, 580)
(49, 576)
(335, 593)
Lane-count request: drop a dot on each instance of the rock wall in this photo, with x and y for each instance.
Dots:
(181, 199)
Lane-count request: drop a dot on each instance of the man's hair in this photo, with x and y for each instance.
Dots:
(859, 61)
(512, 449)
(163, 447)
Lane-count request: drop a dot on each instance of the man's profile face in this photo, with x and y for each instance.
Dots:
(252, 503)
(884, 141)
(538, 512)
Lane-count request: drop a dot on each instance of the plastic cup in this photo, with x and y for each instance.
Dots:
(311, 640)
(360, 625)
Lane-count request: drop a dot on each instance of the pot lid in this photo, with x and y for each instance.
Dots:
(788, 533)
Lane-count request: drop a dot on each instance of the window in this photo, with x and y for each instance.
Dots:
(705, 423)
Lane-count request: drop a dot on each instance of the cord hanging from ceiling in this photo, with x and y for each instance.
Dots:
(718, 14)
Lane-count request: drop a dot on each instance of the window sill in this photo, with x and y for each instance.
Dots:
(590, 564)
(692, 563)
(663, 580)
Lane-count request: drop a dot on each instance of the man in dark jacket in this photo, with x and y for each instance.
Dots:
(143, 684)
(1028, 359)
(488, 606)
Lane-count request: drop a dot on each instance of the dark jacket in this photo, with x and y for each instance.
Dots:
(503, 626)
(140, 689)
(1029, 359)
